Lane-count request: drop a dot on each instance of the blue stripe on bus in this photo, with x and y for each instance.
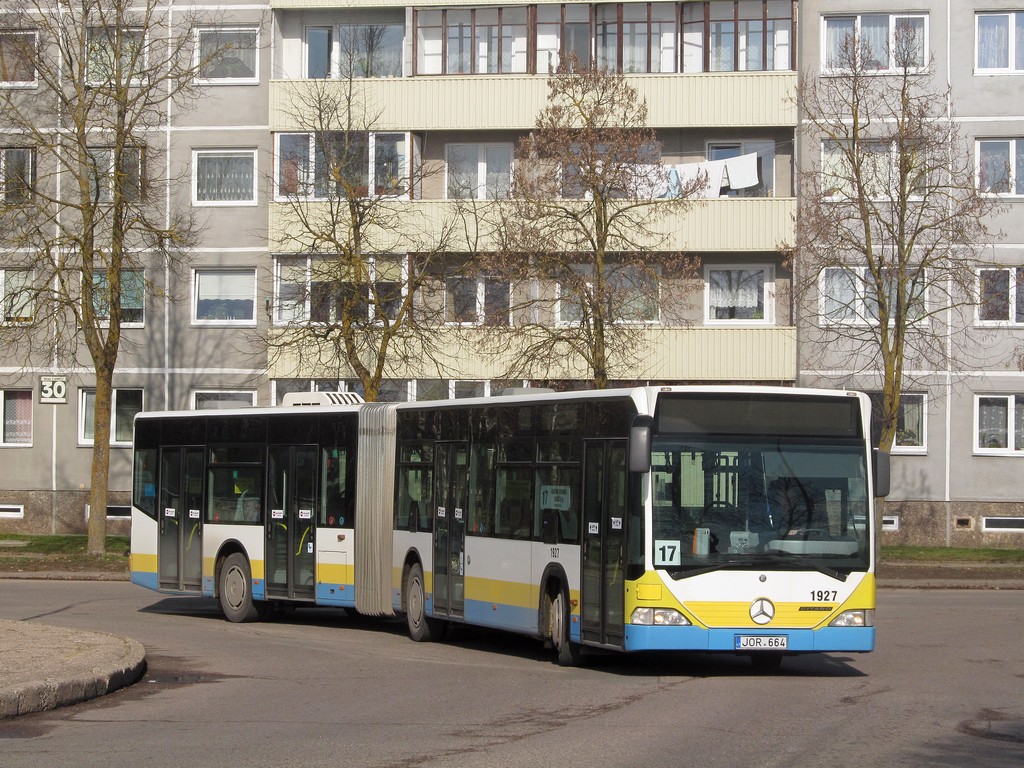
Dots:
(146, 579)
(342, 595)
(646, 638)
(511, 617)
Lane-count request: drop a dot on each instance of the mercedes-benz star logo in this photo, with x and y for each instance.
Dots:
(762, 610)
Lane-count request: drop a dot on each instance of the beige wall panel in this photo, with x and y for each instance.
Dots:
(434, 102)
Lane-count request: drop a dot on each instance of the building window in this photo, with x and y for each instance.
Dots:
(877, 172)
(464, 41)
(133, 296)
(848, 296)
(224, 296)
(15, 511)
(107, 174)
(126, 403)
(209, 399)
(477, 301)
(890, 42)
(228, 55)
(334, 165)
(1001, 166)
(224, 177)
(1000, 41)
(743, 36)
(449, 389)
(317, 289)
(479, 171)
(114, 56)
(1000, 423)
(355, 50)
(17, 174)
(1001, 296)
(1002, 525)
(910, 422)
(17, 409)
(636, 37)
(16, 292)
(18, 58)
(755, 177)
(739, 294)
(564, 31)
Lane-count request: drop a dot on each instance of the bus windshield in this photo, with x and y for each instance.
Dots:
(792, 503)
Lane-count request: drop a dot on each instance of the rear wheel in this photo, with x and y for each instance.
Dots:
(422, 628)
(568, 652)
(235, 590)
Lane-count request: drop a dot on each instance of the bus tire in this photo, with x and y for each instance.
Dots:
(235, 590)
(568, 653)
(422, 628)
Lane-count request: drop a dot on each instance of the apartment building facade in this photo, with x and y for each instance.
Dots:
(956, 478)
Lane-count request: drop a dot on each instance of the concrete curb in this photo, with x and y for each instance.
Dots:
(46, 667)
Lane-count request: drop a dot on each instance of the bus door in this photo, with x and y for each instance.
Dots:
(604, 542)
(451, 495)
(291, 505)
(180, 555)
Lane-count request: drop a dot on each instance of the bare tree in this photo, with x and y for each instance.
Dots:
(579, 236)
(352, 300)
(891, 223)
(87, 211)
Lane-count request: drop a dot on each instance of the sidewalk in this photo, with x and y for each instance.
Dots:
(44, 667)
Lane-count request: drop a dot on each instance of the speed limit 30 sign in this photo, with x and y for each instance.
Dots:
(53, 389)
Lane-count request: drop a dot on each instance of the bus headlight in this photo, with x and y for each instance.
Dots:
(659, 617)
(859, 618)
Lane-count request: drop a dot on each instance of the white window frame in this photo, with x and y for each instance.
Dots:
(3, 173)
(236, 394)
(1011, 408)
(767, 298)
(481, 190)
(860, 304)
(307, 176)
(986, 528)
(4, 320)
(34, 82)
(480, 316)
(83, 407)
(1012, 42)
(32, 418)
(197, 274)
(1014, 173)
(336, 52)
(12, 511)
(252, 80)
(912, 449)
(889, 68)
(145, 51)
(1016, 274)
(104, 320)
(237, 151)
(302, 314)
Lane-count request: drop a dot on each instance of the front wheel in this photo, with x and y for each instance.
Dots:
(235, 590)
(568, 652)
(422, 628)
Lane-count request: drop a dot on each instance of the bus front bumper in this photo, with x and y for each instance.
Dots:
(648, 638)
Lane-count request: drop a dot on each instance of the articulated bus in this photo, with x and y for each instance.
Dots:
(727, 519)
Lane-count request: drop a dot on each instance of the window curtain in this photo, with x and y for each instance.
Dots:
(874, 40)
(993, 413)
(736, 287)
(222, 177)
(838, 35)
(1018, 423)
(839, 292)
(17, 417)
(993, 42)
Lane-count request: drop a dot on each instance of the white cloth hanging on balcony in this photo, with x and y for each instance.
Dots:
(742, 171)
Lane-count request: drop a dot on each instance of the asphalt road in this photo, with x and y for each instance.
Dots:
(319, 688)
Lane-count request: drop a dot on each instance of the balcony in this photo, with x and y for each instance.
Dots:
(676, 354)
(723, 225)
(504, 102)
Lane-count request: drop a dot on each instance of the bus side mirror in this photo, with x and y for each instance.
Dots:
(640, 443)
(880, 471)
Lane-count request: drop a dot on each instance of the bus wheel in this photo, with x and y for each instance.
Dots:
(422, 629)
(235, 590)
(568, 652)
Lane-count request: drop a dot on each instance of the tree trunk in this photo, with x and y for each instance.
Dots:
(98, 491)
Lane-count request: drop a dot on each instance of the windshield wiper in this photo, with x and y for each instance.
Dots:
(755, 562)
